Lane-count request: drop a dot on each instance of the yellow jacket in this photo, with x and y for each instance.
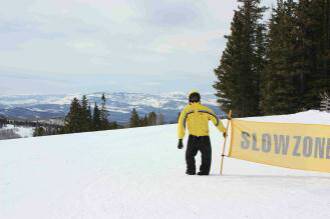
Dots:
(196, 118)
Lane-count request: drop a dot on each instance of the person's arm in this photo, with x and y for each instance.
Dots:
(216, 121)
(181, 127)
(181, 124)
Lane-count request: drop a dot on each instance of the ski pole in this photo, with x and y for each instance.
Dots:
(225, 141)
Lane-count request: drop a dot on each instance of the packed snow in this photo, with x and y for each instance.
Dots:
(139, 173)
(307, 117)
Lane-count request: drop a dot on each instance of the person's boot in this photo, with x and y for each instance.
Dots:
(202, 174)
(190, 173)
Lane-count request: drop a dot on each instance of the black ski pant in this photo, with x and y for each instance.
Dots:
(203, 145)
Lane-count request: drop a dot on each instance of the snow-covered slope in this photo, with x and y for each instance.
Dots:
(139, 173)
(306, 117)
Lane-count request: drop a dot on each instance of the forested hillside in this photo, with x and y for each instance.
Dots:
(278, 66)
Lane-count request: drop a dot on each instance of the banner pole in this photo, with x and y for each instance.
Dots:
(225, 141)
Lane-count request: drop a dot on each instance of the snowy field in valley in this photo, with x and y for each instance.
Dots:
(139, 173)
(18, 131)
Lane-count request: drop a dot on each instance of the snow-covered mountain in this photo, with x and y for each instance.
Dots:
(139, 173)
(119, 105)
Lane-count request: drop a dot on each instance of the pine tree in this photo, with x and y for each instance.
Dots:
(152, 118)
(113, 125)
(72, 120)
(326, 45)
(160, 119)
(238, 84)
(90, 117)
(260, 59)
(279, 93)
(324, 51)
(144, 121)
(135, 119)
(3, 122)
(97, 122)
(325, 102)
(104, 114)
(313, 51)
(86, 118)
(39, 131)
(227, 73)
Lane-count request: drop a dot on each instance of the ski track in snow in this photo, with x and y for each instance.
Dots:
(139, 173)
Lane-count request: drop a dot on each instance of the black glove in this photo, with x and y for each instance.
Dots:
(224, 134)
(180, 144)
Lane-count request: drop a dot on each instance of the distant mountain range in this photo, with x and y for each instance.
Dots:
(119, 105)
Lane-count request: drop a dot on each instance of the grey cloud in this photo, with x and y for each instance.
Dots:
(175, 16)
(170, 14)
(15, 32)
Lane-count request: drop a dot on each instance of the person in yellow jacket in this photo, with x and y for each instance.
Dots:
(195, 117)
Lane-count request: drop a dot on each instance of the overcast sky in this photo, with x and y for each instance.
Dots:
(66, 46)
